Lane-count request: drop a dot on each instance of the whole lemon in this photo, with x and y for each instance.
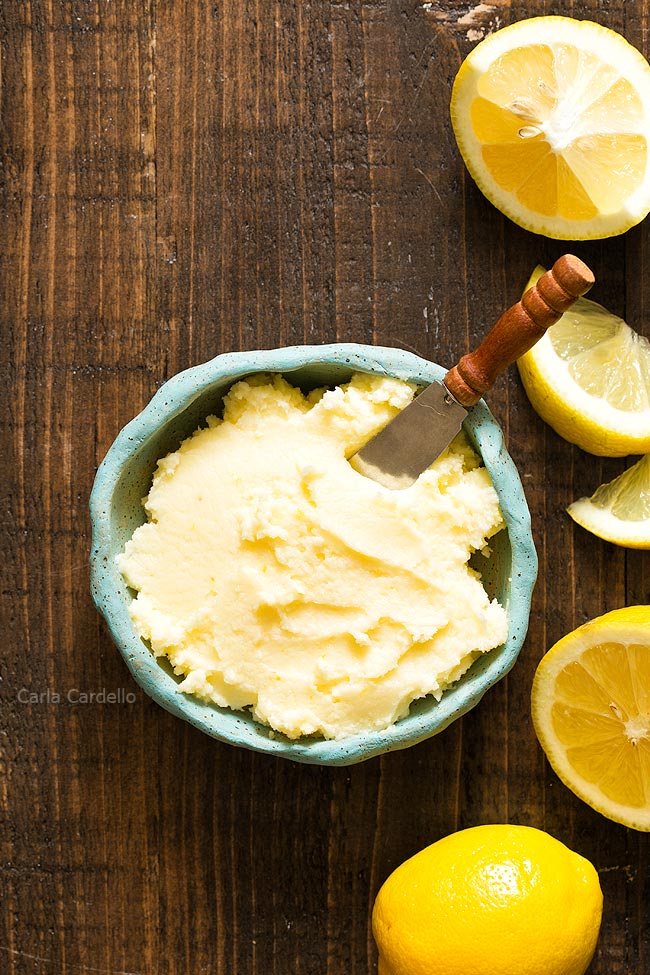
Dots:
(491, 900)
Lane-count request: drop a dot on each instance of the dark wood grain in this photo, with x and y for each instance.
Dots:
(181, 178)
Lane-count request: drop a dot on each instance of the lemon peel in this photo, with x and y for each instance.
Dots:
(498, 899)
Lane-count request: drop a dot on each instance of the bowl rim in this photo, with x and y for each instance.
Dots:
(224, 724)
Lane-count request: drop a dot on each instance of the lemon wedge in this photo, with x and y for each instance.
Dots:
(591, 712)
(619, 511)
(552, 118)
(589, 378)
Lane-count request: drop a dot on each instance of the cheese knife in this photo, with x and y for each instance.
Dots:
(409, 443)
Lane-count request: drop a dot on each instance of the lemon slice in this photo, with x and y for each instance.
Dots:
(591, 712)
(589, 378)
(619, 511)
(552, 118)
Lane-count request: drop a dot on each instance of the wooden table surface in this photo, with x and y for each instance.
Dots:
(181, 178)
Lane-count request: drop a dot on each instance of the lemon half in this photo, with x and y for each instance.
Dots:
(552, 118)
(589, 378)
(591, 712)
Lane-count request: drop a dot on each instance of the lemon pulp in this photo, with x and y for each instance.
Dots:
(551, 152)
(591, 711)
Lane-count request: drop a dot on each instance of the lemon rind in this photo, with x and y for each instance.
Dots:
(540, 30)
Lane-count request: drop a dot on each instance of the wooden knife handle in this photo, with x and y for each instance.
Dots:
(519, 328)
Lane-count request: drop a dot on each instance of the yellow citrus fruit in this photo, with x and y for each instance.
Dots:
(589, 378)
(619, 511)
(591, 711)
(552, 118)
(491, 900)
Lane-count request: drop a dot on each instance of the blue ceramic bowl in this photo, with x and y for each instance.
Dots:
(176, 410)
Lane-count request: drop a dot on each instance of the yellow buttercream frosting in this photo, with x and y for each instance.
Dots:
(274, 576)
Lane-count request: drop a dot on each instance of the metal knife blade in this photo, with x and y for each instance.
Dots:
(410, 443)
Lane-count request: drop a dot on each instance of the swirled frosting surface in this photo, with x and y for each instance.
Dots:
(274, 576)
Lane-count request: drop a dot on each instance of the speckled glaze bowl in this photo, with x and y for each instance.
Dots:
(176, 410)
